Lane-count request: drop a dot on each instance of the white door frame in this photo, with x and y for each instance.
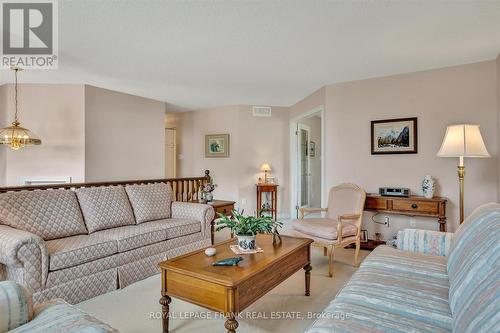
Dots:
(299, 127)
(293, 158)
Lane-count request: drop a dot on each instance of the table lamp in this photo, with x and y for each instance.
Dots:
(265, 167)
(462, 141)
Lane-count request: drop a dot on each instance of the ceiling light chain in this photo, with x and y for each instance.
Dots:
(16, 69)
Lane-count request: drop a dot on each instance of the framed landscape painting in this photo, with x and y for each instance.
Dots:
(394, 136)
(217, 145)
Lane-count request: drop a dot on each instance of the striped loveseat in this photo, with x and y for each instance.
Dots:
(18, 315)
(433, 282)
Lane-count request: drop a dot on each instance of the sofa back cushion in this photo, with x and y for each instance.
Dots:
(150, 201)
(474, 271)
(105, 207)
(49, 214)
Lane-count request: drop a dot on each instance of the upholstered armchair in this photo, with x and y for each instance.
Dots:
(341, 225)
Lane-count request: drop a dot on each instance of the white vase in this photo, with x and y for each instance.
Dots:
(246, 242)
(428, 186)
(209, 197)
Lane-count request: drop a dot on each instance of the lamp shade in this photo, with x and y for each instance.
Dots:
(463, 141)
(265, 167)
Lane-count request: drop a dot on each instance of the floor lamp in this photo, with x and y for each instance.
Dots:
(462, 141)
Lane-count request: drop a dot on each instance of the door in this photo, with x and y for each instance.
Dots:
(303, 132)
(170, 152)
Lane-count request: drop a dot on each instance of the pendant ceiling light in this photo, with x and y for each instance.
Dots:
(15, 136)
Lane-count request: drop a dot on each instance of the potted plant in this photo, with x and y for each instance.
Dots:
(247, 227)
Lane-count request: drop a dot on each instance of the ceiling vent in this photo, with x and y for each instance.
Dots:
(261, 111)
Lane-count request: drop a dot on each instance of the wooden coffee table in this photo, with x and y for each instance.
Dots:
(229, 290)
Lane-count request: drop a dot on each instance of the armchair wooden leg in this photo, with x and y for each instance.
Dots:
(356, 253)
(325, 251)
(330, 261)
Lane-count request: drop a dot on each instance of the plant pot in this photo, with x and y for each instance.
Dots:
(246, 242)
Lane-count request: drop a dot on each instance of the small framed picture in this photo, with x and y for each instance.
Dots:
(217, 145)
(394, 136)
(364, 236)
(312, 148)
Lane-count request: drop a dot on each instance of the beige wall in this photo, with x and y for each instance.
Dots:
(254, 140)
(3, 122)
(311, 102)
(462, 94)
(314, 124)
(125, 136)
(55, 112)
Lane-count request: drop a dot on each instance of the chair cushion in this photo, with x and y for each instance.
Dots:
(134, 236)
(178, 227)
(150, 201)
(323, 228)
(473, 268)
(57, 316)
(49, 214)
(392, 259)
(344, 317)
(15, 306)
(76, 250)
(385, 299)
(105, 207)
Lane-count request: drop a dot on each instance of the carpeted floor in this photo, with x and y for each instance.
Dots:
(135, 309)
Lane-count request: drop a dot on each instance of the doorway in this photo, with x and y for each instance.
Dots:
(170, 153)
(306, 160)
(303, 164)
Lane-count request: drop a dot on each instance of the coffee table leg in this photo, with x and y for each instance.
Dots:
(308, 269)
(231, 324)
(165, 301)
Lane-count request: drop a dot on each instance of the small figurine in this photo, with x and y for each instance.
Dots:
(276, 236)
(228, 262)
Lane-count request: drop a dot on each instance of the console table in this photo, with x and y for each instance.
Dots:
(410, 206)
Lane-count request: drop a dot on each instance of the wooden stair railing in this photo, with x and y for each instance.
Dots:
(183, 189)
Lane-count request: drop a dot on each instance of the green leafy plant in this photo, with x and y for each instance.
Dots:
(240, 224)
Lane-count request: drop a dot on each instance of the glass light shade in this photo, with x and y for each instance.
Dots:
(265, 167)
(16, 137)
(463, 141)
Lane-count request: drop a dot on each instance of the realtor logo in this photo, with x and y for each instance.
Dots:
(29, 34)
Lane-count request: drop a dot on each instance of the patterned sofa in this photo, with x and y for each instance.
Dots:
(434, 282)
(77, 244)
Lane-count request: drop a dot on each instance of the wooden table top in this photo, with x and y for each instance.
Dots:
(217, 203)
(198, 265)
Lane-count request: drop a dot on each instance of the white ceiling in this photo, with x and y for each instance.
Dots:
(199, 54)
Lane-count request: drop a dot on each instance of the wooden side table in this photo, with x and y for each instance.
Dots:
(268, 188)
(220, 206)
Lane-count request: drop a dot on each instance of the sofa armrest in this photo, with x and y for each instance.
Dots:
(195, 211)
(17, 304)
(424, 241)
(25, 256)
